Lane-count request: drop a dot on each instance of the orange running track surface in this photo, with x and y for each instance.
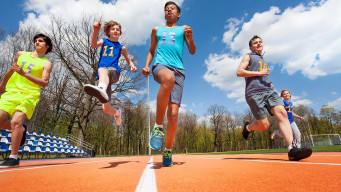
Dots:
(245, 172)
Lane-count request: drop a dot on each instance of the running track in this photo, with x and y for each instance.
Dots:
(246, 172)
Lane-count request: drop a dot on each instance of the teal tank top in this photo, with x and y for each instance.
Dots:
(170, 45)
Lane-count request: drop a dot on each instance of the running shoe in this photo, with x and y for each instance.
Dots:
(167, 158)
(118, 117)
(23, 139)
(155, 141)
(97, 92)
(296, 154)
(10, 163)
(245, 131)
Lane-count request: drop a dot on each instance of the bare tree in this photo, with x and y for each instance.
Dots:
(217, 113)
(72, 48)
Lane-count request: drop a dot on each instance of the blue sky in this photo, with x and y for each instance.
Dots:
(301, 43)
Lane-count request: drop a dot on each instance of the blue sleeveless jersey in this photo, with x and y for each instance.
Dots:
(257, 84)
(288, 108)
(109, 55)
(170, 44)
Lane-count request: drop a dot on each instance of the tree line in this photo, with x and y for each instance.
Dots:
(65, 108)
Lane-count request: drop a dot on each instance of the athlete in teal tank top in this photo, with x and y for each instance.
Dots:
(170, 44)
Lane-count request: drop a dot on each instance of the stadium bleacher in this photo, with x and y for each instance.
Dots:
(39, 144)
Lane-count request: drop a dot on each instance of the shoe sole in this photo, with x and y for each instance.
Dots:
(23, 140)
(154, 148)
(95, 93)
(303, 155)
(167, 165)
(6, 167)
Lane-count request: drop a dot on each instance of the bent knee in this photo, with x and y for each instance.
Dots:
(264, 126)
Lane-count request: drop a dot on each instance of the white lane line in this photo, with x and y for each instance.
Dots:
(147, 181)
(46, 166)
(264, 161)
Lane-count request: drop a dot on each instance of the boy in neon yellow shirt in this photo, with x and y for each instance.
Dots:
(29, 72)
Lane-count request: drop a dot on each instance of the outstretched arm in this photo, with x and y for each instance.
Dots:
(189, 39)
(9, 73)
(124, 52)
(297, 116)
(94, 42)
(150, 55)
(242, 72)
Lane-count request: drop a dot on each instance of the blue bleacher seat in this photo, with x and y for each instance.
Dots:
(21, 149)
(4, 134)
(35, 143)
(3, 148)
(32, 149)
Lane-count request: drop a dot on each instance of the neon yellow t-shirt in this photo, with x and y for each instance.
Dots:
(31, 65)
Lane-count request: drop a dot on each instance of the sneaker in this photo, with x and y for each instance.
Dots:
(296, 154)
(10, 163)
(167, 158)
(155, 141)
(23, 139)
(245, 131)
(273, 135)
(118, 117)
(97, 92)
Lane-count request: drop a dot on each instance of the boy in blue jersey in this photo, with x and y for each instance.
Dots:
(108, 71)
(168, 71)
(288, 107)
(262, 99)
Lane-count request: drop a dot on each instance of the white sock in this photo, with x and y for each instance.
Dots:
(156, 125)
(103, 85)
(168, 149)
(247, 128)
(14, 157)
(290, 147)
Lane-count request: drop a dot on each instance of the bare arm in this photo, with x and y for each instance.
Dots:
(43, 82)
(297, 116)
(242, 72)
(9, 73)
(124, 52)
(189, 39)
(150, 55)
(94, 42)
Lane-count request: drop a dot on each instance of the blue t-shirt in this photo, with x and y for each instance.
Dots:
(288, 108)
(170, 44)
(256, 84)
(110, 55)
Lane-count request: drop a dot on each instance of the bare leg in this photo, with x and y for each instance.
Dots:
(166, 78)
(283, 123)
(103, 76)
(260, 125)
(17, 132)
(108, 108)
(172, 117)
(4, 123)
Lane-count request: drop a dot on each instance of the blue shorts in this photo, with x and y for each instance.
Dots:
(179, 74)
(261, 104)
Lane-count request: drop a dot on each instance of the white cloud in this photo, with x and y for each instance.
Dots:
(306, 102)
(221, 73)
(137, 17)
(302, 39)
(336, 104)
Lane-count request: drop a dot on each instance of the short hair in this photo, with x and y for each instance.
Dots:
(109, 24)
(253, 38)
(46, 39)
(173, 3)
(282, 92)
